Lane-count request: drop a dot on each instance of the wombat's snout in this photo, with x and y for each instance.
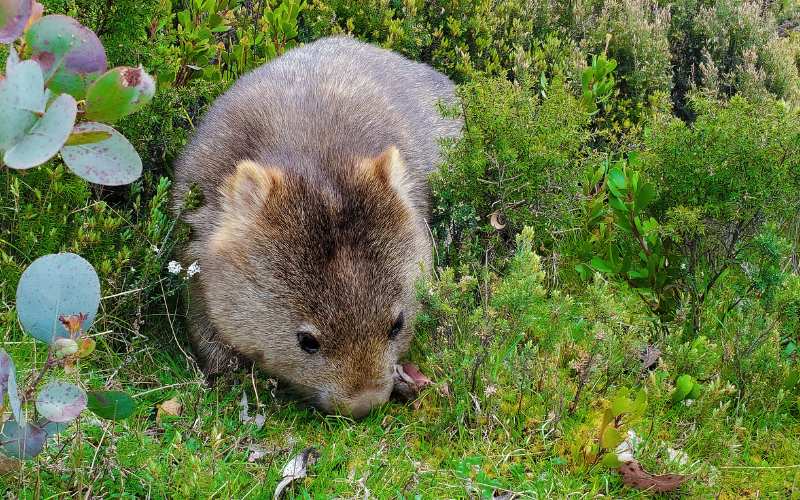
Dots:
(361, 403)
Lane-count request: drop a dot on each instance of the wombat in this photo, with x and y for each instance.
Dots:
(314, 224)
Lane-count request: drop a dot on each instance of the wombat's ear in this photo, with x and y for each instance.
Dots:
(250, 186)
(388, 168)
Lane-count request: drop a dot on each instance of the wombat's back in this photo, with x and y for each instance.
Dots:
(318, 105)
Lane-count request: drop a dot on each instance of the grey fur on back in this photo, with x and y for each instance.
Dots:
(332, 98)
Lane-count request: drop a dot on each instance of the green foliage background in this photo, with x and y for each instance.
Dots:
(536, 320)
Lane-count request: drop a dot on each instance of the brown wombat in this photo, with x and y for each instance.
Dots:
(314, 228)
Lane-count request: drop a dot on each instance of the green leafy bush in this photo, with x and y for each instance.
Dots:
(732, 46)
(518, 160)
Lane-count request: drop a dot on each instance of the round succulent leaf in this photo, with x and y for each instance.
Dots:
(70, 54)
(21, 97)
(14, 16)
(111, 162)
(22, 441)
(60, 401)
(56, 285)
(50, 427)
(46, 137)
(111, 405)
(118, 93)
(78, 138)
(8, 385)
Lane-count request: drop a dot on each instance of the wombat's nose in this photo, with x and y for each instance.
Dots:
(360, 405)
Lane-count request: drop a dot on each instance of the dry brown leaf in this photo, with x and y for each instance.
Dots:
(496, 221)
(649, 357)
(635, 476)
(171, 407)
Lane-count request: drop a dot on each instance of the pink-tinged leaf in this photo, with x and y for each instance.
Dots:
(69, 53)
(14, 16)
(110, 162)
(61, 401)
(37, 11)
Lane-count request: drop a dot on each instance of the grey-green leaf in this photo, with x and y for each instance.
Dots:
(60, 401)
(111, 162)
(46, 137)
(22, 441)
(21, 97)
(55, 285)
(8, 384)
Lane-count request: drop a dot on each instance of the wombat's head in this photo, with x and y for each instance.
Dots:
(314, 280)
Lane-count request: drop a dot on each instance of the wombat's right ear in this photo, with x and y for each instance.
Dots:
(249, 187)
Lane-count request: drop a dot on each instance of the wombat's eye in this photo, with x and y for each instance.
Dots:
(307, 342)
(397, 326)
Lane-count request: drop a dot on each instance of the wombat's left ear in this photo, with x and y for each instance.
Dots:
(388, 168)
(250, 187)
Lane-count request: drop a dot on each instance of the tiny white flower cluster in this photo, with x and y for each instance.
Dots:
(175, 267)
(193, 269)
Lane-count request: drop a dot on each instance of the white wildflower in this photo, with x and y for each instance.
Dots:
(154, 248)
(490, 390)
(193, 269)
(174, 267)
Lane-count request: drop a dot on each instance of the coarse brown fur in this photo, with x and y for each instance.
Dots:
(314, 174)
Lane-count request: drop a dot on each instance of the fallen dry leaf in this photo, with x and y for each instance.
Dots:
(649, 357)
(169, 407)
(256, 453)
(634, 476)
(245, 417)
(495, 220)
(297, 468)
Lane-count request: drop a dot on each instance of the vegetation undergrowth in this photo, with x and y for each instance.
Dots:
(617, 231)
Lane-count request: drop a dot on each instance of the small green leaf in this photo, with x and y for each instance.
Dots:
(611, 438)
(611, 461)
(112, 405)
(620, 405)
(118, 93)
(695, 392)
(601, 265)
(683, 386)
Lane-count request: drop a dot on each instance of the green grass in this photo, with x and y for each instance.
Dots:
(524, 357)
